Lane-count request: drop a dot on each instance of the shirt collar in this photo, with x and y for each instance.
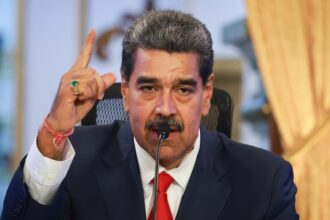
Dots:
(180, 174)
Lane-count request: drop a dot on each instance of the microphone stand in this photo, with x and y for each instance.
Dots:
(164, 130)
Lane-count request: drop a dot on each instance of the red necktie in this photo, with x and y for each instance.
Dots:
(163, 208)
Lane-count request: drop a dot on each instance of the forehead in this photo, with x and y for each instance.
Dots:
(164, 65)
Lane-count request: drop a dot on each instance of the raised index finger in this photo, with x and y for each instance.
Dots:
(86, 52)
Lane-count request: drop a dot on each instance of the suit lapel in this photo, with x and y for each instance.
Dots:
(209, 187)
(118, 177)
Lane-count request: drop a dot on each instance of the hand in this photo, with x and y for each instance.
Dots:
(68, 108)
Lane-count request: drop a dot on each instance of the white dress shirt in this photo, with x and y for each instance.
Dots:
(43, 175)
(180, 174)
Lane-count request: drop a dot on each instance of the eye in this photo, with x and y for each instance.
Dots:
(185, 90)
(148, 88)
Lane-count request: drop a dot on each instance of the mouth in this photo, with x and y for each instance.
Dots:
(175, 125)
(155, 128)
(154, 132)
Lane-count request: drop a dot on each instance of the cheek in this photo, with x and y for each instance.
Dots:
(140, 110)
(137, 120)
(191, 116)
(195, 121)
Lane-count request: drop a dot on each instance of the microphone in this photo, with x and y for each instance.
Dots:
(163, 133)
(163, 130)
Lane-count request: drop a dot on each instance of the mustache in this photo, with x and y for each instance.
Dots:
(174, 124)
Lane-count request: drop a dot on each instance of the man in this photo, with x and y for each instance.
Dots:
(106, 172)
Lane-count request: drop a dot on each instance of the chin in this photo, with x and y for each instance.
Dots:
(167, 154)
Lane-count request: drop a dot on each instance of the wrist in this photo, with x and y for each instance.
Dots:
(61, 125)
(51, 142)
(46, 145)
(59, 136)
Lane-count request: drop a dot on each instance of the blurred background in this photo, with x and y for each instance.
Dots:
(39, 41)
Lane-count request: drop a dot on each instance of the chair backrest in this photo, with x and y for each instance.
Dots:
(110, 108)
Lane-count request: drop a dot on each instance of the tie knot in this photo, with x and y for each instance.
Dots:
(165, 181)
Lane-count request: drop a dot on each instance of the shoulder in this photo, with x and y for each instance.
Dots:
(95, 144)
(95, 134)
(84, 132)
(218, 144)
(258, 176)
(243, 162)
(247, 156)
(91, 142)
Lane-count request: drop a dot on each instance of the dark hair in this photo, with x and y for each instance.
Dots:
(170, 31)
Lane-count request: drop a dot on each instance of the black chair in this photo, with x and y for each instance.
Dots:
(110, 108)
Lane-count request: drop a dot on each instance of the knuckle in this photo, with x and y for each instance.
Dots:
(91, 70)
(90, 80)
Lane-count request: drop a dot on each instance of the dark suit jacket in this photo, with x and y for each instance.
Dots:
(230, 181)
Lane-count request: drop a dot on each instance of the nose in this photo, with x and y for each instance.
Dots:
(166, 105)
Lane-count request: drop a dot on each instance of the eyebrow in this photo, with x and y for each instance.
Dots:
(189, 82)
(151, 80)
(145, 79)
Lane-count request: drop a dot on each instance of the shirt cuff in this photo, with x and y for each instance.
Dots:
(47, 171)
(43, 175)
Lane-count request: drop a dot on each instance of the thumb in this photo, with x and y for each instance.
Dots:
(109, 79)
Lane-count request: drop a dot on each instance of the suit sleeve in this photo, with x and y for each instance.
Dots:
(18, 203)
(282, 205)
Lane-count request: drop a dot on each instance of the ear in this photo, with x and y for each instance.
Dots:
(207, 95)
(124, 92)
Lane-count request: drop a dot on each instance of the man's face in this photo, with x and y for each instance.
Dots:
(166, 85)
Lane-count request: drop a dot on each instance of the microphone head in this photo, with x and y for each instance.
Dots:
(163, 130)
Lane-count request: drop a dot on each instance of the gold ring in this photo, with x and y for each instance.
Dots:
(74, 84)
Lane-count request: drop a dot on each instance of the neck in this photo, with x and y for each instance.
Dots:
(170, 164)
